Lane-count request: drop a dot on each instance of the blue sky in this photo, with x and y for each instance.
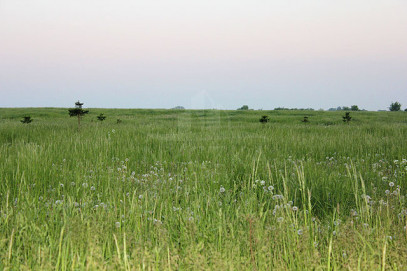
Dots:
(203, 54)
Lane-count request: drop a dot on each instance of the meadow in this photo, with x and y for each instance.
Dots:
(202, 190)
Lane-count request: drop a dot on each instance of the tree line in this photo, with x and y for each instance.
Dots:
(79, 112)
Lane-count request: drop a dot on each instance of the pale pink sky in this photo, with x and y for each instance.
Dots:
(225, 53)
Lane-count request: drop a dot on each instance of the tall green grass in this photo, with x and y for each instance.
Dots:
(202, 189)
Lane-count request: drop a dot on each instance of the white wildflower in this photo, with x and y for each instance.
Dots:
(344, 255)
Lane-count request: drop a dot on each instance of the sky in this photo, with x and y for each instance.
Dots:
(203, 53)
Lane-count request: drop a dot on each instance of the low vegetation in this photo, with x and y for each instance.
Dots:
(203, 190)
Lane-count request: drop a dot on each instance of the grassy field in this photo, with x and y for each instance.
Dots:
(202, 189)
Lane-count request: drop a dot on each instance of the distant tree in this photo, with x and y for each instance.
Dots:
(101, 117)
(405, 110)
(179, 108)
(347, 118)
(305, 119)
(26, 120)
(346, 108)
(78, 112)
(396, 106)
(264, 119)
(354, 108)
(244, 107)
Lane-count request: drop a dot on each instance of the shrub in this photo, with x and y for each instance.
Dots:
(347, 118)
(101, 117)
(26, 120)
(264, 119)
